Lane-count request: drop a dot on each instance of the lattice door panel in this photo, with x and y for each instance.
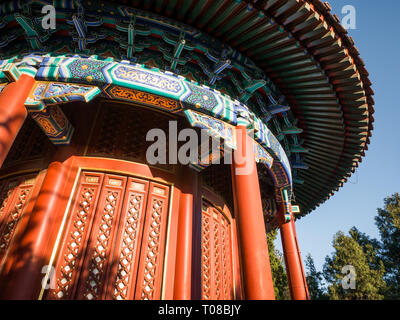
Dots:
(93, 276)
(153, 243)
(124, 272)
(114, 241)
(69, 264)
(15, 194)
(216, 249)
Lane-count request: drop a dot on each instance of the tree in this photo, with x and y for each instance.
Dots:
(314, 280)
(388, 223)
(370, 246)
(278, 270)
(350, 254)
(376, 263)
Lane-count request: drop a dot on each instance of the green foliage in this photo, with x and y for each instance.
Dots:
(371, 247)
(278, 269)
(388, 223)
(356, 250)
(314, 280)
(376, 262)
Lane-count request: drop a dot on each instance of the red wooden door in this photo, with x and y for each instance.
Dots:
(113, 247)
(15, 194)
(217, 271)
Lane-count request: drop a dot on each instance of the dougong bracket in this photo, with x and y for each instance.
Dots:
(41, 105)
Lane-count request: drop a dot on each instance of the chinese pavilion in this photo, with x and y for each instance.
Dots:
(84, 215)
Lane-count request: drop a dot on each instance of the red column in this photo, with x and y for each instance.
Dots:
(13, 112)
(294, 266)
(183, 267)
(301, 261)
(34, 250)
(258, 284)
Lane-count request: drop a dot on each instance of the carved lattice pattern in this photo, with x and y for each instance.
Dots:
(102, 240)
(120, 133)
(13, 218)
(217, 256)
(7, 189)
(153, 244)
(131, 223)
(114, 242)
(217, 278)
(14, 197)
(218, 178)
(151, 264)
(69, 265)
(205, 256)
(226, 260)
(108, 132)
(31, 143)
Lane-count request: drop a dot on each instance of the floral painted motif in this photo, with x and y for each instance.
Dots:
(215, 127)
(200, 98)
(58, 89)
(150, 79)
(157, 101)
(88, 70)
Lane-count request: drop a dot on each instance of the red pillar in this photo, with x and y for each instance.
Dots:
(13, 112)
(301, 261)
(34, 250)
(294, 266)
(183, 266)
(258, 284)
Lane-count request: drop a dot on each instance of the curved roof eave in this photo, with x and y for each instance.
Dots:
(312, 60)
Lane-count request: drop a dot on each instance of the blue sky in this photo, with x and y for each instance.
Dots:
(377, 36)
